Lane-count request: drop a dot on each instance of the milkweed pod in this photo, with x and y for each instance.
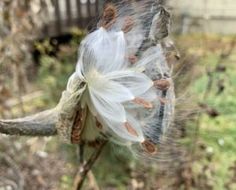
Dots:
(160, 25)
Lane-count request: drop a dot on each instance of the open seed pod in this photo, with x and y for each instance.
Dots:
(127, 101)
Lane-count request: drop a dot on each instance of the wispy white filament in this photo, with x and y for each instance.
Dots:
(118, 96)
(111, 82)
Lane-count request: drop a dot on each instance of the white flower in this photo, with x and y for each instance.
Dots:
(111, 83)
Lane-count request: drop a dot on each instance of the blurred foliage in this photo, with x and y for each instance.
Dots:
(218, 133)
(56, 64)
(213, 89)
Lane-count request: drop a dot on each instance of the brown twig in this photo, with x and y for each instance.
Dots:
(86, 167)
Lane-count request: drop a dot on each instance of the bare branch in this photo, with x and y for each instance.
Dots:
(87, 166)
(41, 124)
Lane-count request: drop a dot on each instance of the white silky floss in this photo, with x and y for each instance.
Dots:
(122, 88)
(111, 83)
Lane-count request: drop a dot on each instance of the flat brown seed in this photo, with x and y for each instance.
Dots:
(149, 147)
(77, 128)
(98, 124)
(109, 16)
(128, 24)
(163, 101)
(95, 143)
(143, 103)
(130, 129)
(132, 59)
(162, 84)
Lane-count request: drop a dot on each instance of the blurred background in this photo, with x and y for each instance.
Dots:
(38, 52)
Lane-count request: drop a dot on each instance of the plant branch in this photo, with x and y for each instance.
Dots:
(85, 168)
(41, 124)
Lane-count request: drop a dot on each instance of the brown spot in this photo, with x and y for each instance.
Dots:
(133, 59)
(128, 24)
(130, 129)
(143, 103)
(163, 101)
(162, 84)
(109, 16)
(95, 144)
(212, 112)
(98, 124)
(149, 147)
(77, 128)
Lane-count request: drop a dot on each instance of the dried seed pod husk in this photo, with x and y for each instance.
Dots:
(69, 111)
(77, 128)
(160, 25)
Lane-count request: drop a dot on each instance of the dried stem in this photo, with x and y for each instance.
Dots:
(86, 167)
(41, 124)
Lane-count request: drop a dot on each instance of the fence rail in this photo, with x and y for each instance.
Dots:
(213, 24)
(64, 14)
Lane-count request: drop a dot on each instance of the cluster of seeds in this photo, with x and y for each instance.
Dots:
(128, 94)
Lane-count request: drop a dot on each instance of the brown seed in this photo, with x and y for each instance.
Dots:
(109, 16)
(98, 124)
(128, 24)
(143, 103)
(162, 84)
(75, 139)
(77, 128)
(133, 59)
(130, 129)
(149, 147)
(95, 144)
(163, 101)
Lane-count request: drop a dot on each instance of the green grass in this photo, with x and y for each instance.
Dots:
(219, 134)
